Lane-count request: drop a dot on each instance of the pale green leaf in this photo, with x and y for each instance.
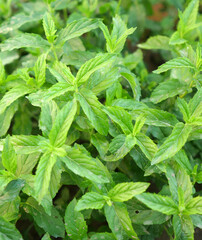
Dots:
(148, 147)
(62, 124)
(181, 62)
(24, 40)
(48, 114)
(92, 108)
(167, 89)
(85, 166)
(93, 65)
(75, 224)
(121, 117)
(103, 235)
(6, 117)
(184, 109)
(62, 73)
(194, 206)
(158, 203)
(133, 81)
(119, 221)
(43, 175)
(127, 190)
(8, 231)
(49, 27)
(156, 42)
(13, 95)
(120, 147)
(76, 29)
(17, 21)
(91, 200)
(9, 158)
(195, 104)
(139, 123)
(40, 70)
(173, 143)
(57, 90)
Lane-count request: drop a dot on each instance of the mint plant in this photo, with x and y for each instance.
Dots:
(93, 144)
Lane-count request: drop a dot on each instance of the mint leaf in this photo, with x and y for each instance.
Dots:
(62, 124)
(85, 165)
(173, 143)
(156, 42)
(52, 224)
(181, 62)
(76, 28)
(75, 224)
(49, 27)
(24, 40)
(40, 70)
(158, 203)
(92, 108)
(91, 200)
(125, 191)
(9, 158)
(43, 175)
(8, 231)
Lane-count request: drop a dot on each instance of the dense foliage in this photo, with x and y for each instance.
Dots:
(100, 119)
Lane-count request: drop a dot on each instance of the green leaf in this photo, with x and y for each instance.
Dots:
(52, 224)
(184, 109)
(40, 70)
(173, 143)
(24, 40)
(125, 191)
(13, 95)
(75, 224)
(2, 72)
(46, 237)
(149, 217)
(139, 123)
(9, 159)
(190, 14)
(62, 73)
(49, 27)
(92, 108)
(121, 117)
(155, 117)
(181, 62)
(167, 89)
(156, 42)
(158, 203)
(62, 124)
(8, 231)
(116, 41)
(182, 159)
(48, 114)
(17, 21)
(26, 144)
(76, 29)
(93, 65)
(26, 163)
(183, 227)
(103, 235)
(133, 81)
(10, 210)
(120, 147)
(179, 181)
(11, 191)
(85, 166)
(119, 221)
(43, 175)
(91, 200)
(194, 206)
(100, 143)
(195, 105)
(148, 147)
(57, 90)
